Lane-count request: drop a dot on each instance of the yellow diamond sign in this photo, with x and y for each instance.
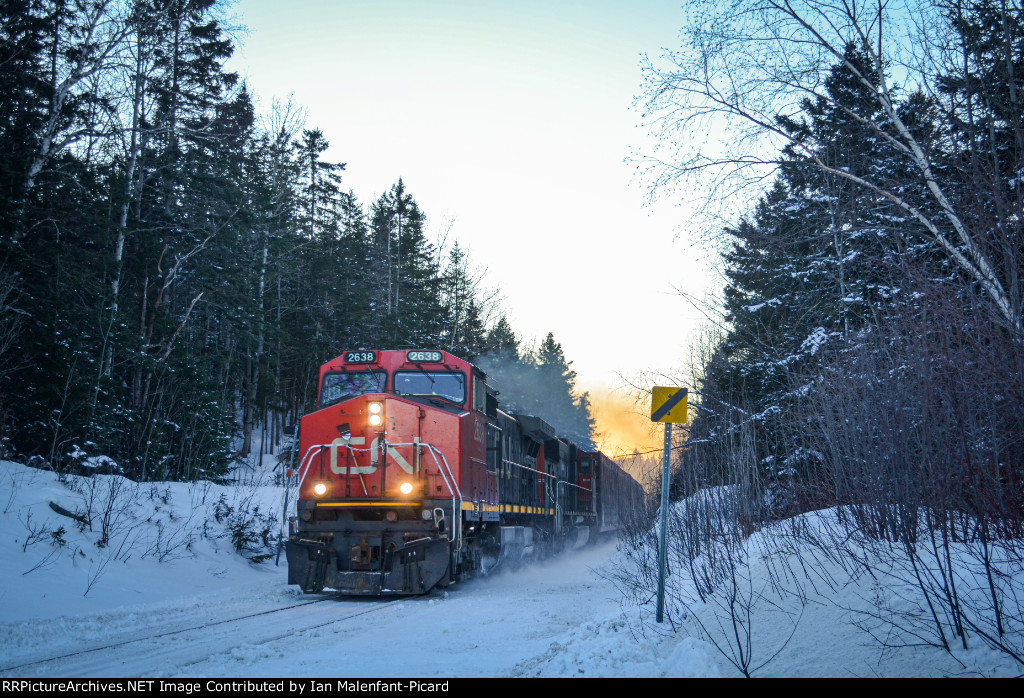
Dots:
(668, 405)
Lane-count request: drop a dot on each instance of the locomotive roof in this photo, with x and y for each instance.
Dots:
(536, 428)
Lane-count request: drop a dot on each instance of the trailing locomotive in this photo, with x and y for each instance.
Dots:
(411, 477)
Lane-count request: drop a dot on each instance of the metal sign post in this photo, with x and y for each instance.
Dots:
(663, 533)
(668, 405)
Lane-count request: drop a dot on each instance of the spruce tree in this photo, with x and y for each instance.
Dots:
(462, 330)
(815, 265)
(408, 283)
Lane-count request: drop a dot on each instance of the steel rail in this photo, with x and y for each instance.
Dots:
(167, 633)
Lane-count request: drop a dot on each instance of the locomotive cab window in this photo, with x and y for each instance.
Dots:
(479, 394)
(338, 386)
(447, 385)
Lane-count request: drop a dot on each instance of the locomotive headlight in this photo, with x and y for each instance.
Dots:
(376, 410)
(405, 488)
(320, 489)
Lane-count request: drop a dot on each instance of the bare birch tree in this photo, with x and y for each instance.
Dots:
(747, 65)
(86, 39)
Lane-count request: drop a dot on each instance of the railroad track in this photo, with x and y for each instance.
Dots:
(170, 651)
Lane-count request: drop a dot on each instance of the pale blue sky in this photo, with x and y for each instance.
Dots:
(510, 122)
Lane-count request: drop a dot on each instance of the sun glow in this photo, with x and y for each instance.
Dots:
(623, 426)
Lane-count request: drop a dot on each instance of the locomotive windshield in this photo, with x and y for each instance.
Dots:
(338, 386)
(448, 385)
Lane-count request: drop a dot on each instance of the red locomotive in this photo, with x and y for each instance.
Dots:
(411, 477)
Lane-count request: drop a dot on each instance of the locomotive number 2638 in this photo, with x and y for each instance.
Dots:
(360, 357)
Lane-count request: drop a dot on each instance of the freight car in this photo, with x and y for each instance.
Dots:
(411, 477)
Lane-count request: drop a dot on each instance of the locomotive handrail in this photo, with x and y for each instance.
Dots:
(303, 469)
(307, 456)
(455, 493)
(579, 487)
(551, 475)
(321, 446)
(541, 472)
(526, 467)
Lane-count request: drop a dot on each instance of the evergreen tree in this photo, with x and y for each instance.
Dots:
(183, 204)
(165, 259)
(501, 340)
(408, 283)
(559, 403)
(984, 87)
(462, 331)
(540, 384)
(321, 187)
(23, 98)
(815, 265)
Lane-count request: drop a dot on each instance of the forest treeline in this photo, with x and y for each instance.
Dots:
(174, 266)
(867, 359)
(872, 339)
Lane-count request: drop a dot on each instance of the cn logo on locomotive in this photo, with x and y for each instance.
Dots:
(374, 450)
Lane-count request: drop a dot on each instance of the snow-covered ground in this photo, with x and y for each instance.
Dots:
(167, 594)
